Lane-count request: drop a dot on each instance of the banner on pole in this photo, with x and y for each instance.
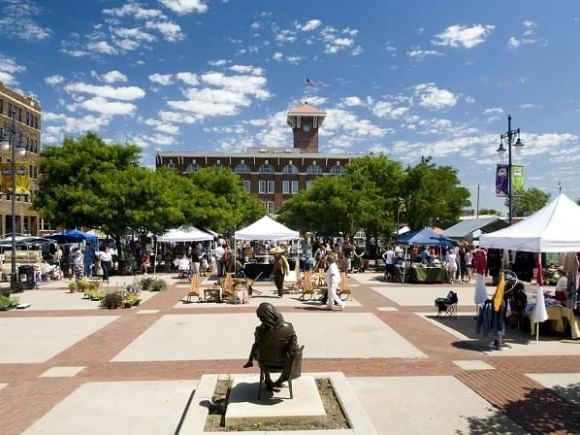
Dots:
(518, 178)
(501, 180)
(22, 177)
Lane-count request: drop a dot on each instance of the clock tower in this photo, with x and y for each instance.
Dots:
(305, 121)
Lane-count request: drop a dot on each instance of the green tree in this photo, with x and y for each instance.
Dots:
(89, 183)
(528, 201)
(433, 195)
(221, 203)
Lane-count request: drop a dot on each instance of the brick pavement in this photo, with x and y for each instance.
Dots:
(27, 397)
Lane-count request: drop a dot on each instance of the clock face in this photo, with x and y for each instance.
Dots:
(306, 128)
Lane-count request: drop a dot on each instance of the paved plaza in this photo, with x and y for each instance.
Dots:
(68, 367)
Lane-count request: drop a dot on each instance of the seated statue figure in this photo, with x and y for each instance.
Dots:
(275, 344)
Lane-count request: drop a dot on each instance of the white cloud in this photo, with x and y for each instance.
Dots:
(493, 110)
(432, 97)
(105, 107)
(127, 93)
(220, 62)
(188, 78)
(170, 31)
(54, 80)
(384, 109)
(114, 77)
(343, 121)
(247, 69)
(278, 56)
(463, 36)
(184, 7)
(161, 126)
(8, 70)
(102, 47)
(419, 54)
(527, 37)
(352, 101)
(161, 79)
(531, 106)
(309, 26)
(514, 42)
(17, 21)
(60, 125)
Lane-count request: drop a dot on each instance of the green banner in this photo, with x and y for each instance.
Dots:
(518, 184)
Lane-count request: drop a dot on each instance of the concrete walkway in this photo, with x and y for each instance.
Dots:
(68, 367)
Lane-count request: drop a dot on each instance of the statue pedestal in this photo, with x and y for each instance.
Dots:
(243, 406)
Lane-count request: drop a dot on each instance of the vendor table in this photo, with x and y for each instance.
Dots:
(252, 270)
(428, 275)
(558, 318)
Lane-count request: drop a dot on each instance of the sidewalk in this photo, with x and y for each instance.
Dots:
(67, 366)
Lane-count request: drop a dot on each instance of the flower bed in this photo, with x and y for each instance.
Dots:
(8, 302)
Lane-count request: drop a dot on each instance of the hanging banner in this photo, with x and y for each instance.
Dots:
(518, 178)
(501, 180)
(22, 177)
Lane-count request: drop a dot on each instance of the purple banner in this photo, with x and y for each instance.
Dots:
(501, 180)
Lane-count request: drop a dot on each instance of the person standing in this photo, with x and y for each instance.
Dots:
(308, 257)
(196, 259)
(88, 259)
(219, 259)
(78, 264)
(389, 257)
(451, 265)
(332, 282)
(145, 262)
(281, 269)
(106, 258)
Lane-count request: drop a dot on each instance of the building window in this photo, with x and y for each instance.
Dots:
(290, 169)
(285, 187)
(294, 186)
(271, 207)
(271, 186)
(171, 164)
(266, 169)
(262, 186)
(1, 106)
(314, 169)
(193, 167)
(218, 166)
(309, 184)
(337, 169)
(242, 169)
(247, 186)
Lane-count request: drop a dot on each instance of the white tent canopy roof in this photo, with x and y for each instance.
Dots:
(185, 234)
(554, 228)
(266, 228)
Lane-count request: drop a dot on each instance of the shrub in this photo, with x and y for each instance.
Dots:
(73, 286)
(95, 295)
(146, 283)
(8, 302)
(131, 299)
(83, 284)
(112, 300)
(158, 285)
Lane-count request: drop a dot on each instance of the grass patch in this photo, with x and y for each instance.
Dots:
(335, 418)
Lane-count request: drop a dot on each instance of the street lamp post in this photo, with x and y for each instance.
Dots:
(9, 142)
(509, 135)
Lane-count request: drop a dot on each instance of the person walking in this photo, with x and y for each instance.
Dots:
(332, 283)
(281, 269)
(389, 257)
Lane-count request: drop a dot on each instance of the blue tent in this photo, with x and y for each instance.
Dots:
(426, 237)
(73, 236)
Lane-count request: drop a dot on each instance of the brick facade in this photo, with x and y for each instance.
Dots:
(28, 127)
(272, 175)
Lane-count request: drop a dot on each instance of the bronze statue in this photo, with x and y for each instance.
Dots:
(275, 346)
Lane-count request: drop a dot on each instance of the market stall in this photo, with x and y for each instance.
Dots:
(265, 229)
(419, 273)
(183, 234)
(554, 228)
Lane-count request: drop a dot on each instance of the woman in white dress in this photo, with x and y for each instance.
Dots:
(333, 281)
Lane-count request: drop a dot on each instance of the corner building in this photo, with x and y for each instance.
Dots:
(27, 117)
(272, 174)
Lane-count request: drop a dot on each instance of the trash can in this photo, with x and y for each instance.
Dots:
(26, 276)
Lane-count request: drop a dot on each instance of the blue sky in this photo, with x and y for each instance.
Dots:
(406, 78)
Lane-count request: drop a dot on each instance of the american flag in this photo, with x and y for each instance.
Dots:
(309, 83)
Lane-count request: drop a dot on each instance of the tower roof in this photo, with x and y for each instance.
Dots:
(306, 109)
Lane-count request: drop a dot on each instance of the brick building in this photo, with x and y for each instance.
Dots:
(271, 174)
(27, 116)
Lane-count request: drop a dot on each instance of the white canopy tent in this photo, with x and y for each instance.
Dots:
(185, 234)
(266, 228)
(554, 228)
(181, 235)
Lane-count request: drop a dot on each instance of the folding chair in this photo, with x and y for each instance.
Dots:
(344, 288)
(447, 305)
(194, 289)
(291, 280)
(307, 287)
(228, 286)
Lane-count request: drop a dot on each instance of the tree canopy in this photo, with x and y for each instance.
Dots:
(528, 201)
(374, 194)
(89, 183)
